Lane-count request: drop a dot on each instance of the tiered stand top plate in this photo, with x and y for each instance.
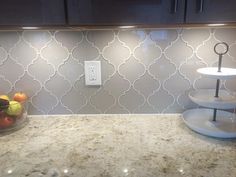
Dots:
(212, 72)
(206, 98)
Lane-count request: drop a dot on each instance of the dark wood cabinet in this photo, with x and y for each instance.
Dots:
(211, 11)
(125, 12)
(115, 12)
(32, 12)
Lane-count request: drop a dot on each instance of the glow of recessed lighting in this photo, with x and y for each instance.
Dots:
(9, 171)
(125, 171)
(29, 28)
(126, 27)
(219, 24)
(65, 171)
(181, 170)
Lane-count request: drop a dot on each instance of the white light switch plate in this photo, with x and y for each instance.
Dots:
(92, 72)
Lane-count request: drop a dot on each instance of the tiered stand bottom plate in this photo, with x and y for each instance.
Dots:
(200, 120)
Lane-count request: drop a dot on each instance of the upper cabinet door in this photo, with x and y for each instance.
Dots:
(32, 12)
(211, 11)
(125, 12)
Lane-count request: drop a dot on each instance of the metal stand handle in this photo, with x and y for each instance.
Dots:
(221, 53)
(219, 70)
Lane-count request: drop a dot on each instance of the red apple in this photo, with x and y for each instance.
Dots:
(6, 122)
(20, 97)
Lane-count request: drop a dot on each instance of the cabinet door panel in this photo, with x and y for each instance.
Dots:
(32, 12)
(125, 12)
(211, 11)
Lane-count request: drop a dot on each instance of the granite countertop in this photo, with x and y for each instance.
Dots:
(113, 146)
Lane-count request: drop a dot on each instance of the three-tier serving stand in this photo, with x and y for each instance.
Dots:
(213, 120)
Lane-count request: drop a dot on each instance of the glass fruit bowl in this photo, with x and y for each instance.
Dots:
(13, 115)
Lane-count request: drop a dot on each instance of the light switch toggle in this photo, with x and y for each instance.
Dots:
(92, 72)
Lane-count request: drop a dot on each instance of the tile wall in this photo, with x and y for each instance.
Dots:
(143, 71)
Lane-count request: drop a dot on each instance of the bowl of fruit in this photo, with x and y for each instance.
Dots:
(13, 112)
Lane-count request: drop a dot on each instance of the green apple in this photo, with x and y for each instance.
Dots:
(14, 108)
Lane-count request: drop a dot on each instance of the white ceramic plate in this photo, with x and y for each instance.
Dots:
(206, 98)
(212, 72)
(200, 120)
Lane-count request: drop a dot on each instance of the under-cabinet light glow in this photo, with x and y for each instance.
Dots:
(30, 28)
(125, 27)
(219, 24)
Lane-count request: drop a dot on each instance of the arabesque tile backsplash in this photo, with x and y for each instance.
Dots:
(143, 71)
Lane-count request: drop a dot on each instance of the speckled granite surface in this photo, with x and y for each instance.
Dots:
(113, 146)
